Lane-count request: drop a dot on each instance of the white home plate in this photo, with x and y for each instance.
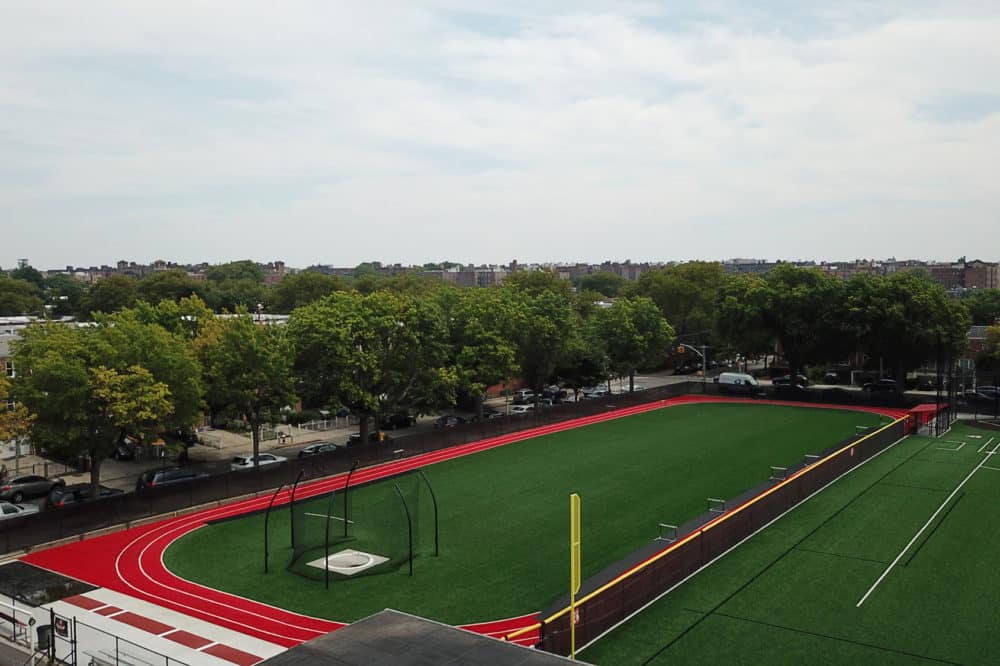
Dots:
(349, 562)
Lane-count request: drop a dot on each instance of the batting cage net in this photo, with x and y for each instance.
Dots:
(370, 529)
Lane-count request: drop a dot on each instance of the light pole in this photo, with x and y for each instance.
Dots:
(704, 359)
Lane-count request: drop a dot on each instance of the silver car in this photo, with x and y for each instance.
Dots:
(263, 460)
(28, 485)
(8, 510)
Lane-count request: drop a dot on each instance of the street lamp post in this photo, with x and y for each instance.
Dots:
(704, 358)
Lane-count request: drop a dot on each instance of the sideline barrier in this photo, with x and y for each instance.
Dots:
(612, 602)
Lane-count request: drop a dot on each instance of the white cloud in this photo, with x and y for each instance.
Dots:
(334, 133)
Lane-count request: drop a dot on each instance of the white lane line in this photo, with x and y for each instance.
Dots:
(926, 525)
(988, 442)
(958, 448)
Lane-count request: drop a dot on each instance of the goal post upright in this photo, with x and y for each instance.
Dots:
(409, 523)
(326, 539)
(291, 506)
(347, 486)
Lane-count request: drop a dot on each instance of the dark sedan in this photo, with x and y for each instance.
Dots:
(320, 448)
(30, 485)
(79, 492)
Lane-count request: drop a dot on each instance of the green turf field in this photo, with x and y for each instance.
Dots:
(790, 594)
(504, 512)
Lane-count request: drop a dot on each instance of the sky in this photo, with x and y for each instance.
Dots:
(339, 132)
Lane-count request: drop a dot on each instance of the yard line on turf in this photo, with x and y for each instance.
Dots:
(323, 515)
(926, 525)
(983, 447)
(958, 448)
(995, 469)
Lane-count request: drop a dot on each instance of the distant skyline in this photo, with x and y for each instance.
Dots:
(411, 132)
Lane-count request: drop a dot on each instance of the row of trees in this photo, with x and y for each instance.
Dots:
(385, 345)
(146, 370)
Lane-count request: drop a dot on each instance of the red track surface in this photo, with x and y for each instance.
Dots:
(131, 561)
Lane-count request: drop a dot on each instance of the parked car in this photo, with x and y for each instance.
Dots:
(8, 510)
(374, 437)
(881, 386)
(926, 384)
(397, 420)
(831, 377)
(554, 392)
(488, 414)
(595, 391)
(737, 382)
(792, 392)
(448, 421)
(168, 476)
(245, 462)
(320, 448)
(521, 409)
(78, 492)
(788, 380)
(524, 396)
(29, 485)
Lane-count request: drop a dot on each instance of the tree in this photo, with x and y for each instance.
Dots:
(63, 294)
(18, 297)
(905, 319)
(85, 395)
(804, 311)
(108, 295)
(233, 295)
(543, 331)
(740, 323)
(686, 295)
(245, 269)
(984, 306)
(373, 353)
(633, 334)
(603, 282)
(185, 318)
(29, 274)
(480, 332)
(300, 289)
(172, 285)
(248, 369)
(534, 283)
(15, 419)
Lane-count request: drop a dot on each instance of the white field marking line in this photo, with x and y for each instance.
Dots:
(735, 546)
(926, 525)
(958, 448)
(323, 515)
(974, 436)
(988, 442)
(995, 469)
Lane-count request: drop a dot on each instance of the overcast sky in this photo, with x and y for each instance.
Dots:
(340, 132)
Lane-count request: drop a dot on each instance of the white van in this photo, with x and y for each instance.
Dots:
(737, 382)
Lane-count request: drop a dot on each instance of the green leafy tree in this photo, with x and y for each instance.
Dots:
(63, 294)
(543, 332)
(248, 370)
(300, 289)
(740, 324)
(984, 306)
(905, 319)
(233, 295)
(480, 326)
(15, 421)
(172, 285)
(373, 353)
(686, 295)
(534, 283)
(185, 318)
(245, 269)
(29, 274)
(603, 282)
(581, 364)
(108, 295)
(805, 314)
(633, 334)
(85, 395)
(19, 297)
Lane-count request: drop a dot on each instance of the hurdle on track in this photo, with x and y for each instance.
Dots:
(778, 473)
(667, 532)
(716, 505)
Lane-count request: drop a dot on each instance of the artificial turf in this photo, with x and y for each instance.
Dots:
(504, 511)
(789, 595)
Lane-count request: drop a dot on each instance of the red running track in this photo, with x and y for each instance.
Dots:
(131, 561)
